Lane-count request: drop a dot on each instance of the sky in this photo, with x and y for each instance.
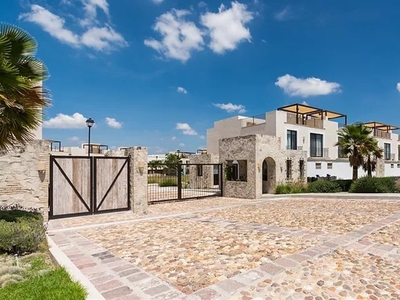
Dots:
(159, 73)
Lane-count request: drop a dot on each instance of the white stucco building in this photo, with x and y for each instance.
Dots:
(310, 129)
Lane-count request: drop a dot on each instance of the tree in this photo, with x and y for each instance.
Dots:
(356, 142)
(171, 163)
(155, 165)
(21, 94)
(370, 162)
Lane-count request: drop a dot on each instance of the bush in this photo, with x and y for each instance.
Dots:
(344, 184)
(168, 182)
(291, 188)
(21, 231)
(370, 184)
(324, 186)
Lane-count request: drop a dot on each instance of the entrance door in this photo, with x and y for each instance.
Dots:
(216, 174)
(268, 176)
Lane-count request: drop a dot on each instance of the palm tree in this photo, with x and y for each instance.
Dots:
(356, 142)
(21, 94)
(375, 153)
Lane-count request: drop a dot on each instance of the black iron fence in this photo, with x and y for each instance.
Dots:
(183, 181)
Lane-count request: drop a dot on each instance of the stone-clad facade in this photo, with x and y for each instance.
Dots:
(24, 176)
(207, 171)
(266, 165)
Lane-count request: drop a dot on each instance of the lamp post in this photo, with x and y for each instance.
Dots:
(89, 123)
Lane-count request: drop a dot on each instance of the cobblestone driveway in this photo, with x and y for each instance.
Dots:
(224, 248)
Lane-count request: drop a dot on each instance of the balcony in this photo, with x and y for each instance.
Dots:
(318, 154)
(382, 134)
(311, 122)
(254, 121)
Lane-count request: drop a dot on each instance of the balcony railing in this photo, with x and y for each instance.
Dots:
(314, 123)
(382, 134)
(324, 154)
(298, 148)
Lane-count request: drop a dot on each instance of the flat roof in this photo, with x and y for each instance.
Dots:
(380, 126)
(311, 110)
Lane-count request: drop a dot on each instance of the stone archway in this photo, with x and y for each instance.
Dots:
(268, 176)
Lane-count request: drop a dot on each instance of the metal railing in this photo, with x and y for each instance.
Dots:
(254, 120)
(312, 122)
(382, 134)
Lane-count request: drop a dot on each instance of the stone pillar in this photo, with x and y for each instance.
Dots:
(138, 179)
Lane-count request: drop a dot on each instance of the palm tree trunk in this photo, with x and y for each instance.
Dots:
(355, 172)
(369, 166)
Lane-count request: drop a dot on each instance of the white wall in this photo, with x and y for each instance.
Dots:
(222, 129)
(392, 169)
(340, 169)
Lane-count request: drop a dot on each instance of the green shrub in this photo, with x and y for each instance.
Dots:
(369, 184)
(25, 233)
(15, 215)
(344, 184)
(324, 186)
(291, 188)
(168, 182)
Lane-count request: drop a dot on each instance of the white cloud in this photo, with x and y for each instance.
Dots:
(62, 121)
(284, 15)
(181, 90)
(398, 86)
(227, 27)
(173, 138)
(52, 24)
(306, 87)
(230, 108)
(304, 103)
(74, 139)
(179, 37)
(91, 6)
(113, 123)
(101, 38)
(202, 4)
(157, 1)
(182, 145)
(202, 137)
(186, 129)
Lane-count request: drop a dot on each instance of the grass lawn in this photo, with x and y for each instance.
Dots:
(53, 285)
(33, 275)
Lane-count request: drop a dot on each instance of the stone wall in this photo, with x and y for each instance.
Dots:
(239, 148)
(256, 149)
(138, 179)
(21, 181)
(207, 175)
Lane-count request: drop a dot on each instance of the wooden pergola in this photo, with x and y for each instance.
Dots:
(315, 112)
(380, 126)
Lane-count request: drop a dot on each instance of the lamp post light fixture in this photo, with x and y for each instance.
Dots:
(89, 123)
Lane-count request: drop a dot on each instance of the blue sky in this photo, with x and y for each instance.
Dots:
(158, 73)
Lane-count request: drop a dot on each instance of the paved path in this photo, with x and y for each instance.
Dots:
(235, 249)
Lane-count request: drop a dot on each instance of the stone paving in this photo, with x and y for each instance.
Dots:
(241, 249)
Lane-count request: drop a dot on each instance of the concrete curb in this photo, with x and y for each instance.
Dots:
(350, 196)
(75, 273)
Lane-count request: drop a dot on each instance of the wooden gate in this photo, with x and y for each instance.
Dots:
(81, 185)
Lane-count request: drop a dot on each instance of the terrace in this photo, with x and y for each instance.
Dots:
(381, 130)
(300, 114)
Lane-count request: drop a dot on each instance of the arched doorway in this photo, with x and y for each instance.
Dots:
(268, 175)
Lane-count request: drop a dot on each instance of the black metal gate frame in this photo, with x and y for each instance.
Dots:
(179, 179)
(92, 208)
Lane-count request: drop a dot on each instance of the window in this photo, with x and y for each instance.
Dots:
(329, 165)
(199, 170)
(316, 145)
(386, 149)
(392, 166)
(291, 140)
(318, 165)
(236, 170)
(288, 169)
(301, 168)
(340, 153)
(398, 165)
